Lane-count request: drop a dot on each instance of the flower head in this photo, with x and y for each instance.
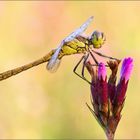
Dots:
(126, 69)
(125, 73)
(107, 96)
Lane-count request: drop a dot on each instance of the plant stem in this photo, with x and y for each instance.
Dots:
(110, 136)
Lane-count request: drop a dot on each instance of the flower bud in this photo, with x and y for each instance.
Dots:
(125, 73)
(102, 71)
(126, 69)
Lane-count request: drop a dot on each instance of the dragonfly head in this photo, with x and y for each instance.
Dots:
(97, 39)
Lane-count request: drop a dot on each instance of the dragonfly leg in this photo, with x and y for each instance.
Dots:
(84, 57)
(84, 63)
(97, 65)
(83, 67)
(102, 55)
(95, 60)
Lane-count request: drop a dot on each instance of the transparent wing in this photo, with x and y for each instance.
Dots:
(79, 30)
(53, 66)
(53, 62)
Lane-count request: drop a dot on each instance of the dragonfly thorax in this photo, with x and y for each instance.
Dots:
(97, 39)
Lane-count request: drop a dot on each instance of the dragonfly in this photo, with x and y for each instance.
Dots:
(74, 43)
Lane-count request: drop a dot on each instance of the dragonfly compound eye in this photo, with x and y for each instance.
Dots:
(97, 39)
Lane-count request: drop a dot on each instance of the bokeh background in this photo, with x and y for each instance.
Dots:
(37, 104)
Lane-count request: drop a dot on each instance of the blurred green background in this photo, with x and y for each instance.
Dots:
(37, 104)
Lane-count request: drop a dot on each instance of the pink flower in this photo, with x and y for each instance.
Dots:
(99, 89)
(126, 69)
(107, 97)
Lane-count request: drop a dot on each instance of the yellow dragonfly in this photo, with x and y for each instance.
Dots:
(75, 43)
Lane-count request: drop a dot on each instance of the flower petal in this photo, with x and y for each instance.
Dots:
(126, 69)
(101, 71)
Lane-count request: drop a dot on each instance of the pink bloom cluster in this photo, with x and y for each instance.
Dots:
(107, 96)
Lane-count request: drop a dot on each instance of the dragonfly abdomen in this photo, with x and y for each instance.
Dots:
(15, 71)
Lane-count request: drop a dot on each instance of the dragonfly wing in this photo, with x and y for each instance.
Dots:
(54, 62)
(79, 30)
(52, 67)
